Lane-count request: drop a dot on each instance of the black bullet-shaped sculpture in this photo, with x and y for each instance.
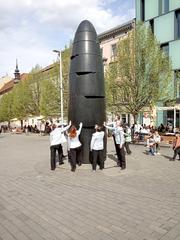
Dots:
(86, 85)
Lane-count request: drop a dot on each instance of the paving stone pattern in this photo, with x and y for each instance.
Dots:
(139, 203)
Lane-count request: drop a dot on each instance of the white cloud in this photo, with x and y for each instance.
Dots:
(30, 29)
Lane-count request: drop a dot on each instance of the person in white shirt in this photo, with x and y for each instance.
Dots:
(55, 143)
(120, 140)
(157, 140)
(128, 139)
(117, 120)
(97, 146)
(74, 147)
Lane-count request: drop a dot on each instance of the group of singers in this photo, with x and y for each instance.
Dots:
(57, 138)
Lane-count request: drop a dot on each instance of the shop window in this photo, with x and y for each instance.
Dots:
(123, 118)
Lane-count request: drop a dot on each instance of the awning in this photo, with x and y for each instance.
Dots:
(177, 107)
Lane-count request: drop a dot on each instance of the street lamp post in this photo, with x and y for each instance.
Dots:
(61, 80)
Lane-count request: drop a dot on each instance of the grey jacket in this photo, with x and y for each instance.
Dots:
(118, 134)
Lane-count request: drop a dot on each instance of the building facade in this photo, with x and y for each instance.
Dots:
(163, 16)
(108, 44)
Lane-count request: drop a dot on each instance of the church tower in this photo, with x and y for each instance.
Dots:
(16, 74)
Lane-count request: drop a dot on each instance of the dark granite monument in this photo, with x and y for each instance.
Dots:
(86, 85)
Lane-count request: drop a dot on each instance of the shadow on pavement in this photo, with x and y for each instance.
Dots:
(167, 157)
(112, 157)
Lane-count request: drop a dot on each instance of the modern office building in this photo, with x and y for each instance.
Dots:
(163, 16)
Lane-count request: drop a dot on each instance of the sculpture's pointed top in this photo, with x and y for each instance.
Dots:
(86, 25)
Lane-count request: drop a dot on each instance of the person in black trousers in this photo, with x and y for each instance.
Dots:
(119, 139)
(74, 147)
(97, 146)
(55, 144)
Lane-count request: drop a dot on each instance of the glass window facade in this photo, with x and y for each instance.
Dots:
(163, 6)
(165, 48)
(177, 83)
(151, 23)
(177, 24)
(142, 10)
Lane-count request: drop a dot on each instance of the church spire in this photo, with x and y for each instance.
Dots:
(16, 73)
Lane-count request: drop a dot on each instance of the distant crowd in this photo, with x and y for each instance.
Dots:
(122, 135)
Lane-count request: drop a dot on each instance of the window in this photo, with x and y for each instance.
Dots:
(151, 23)
(101, 51)
(166, 6)
(165, 48)
(163, 6)
(177, 83)
(113, 50)
(142, 10)
(123, 118)
(177, 24)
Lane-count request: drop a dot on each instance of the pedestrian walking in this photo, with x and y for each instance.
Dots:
(97, 146)
(74, 147)
(55, 144)
(176, 147)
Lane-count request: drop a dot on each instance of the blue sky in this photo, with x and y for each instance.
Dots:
(31, 29)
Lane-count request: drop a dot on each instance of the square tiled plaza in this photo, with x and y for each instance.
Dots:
(140, 203)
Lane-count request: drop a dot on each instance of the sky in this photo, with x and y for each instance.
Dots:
(31, 29)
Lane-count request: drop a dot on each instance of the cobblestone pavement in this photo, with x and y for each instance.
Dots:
(140, 203)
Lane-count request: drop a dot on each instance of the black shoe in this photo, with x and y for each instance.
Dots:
(73, 169)
(79, 164)
(171, 159)
(122, 168)
(64, 156)
(61, 163)
(52, 169)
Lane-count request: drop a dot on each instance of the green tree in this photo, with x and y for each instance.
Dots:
(6, 103)
(49, 102)
(34, 82)
(141, 73)
(22, 100)
(39, 93)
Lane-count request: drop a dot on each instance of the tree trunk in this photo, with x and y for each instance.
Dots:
(21, 123)
(135, 116)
